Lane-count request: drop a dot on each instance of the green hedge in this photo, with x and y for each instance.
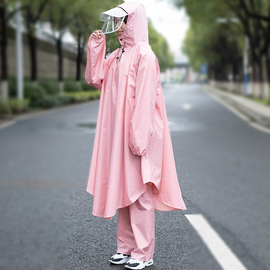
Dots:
(35, 93)
(84, 96)
(86, 87)
(72, 86)
(13, 106)
(50, 86)
(51, 101)
(45, 94)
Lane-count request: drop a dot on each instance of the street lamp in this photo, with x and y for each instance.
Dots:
(19, 52)
(245, 54)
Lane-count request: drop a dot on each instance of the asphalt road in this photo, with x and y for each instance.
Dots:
(223, 168)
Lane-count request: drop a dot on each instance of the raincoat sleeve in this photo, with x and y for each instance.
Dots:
(96, 48)
(142, 121)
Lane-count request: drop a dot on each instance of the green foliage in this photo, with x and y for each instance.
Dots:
(66, 99)
(160, 47)
(72, 86)
(12, 87)
(51, 86)
(84, 96)
(86, 87)
(18, 106)
(49, 101)
(34, 92)
(86, 20)
(208, 41)
(13, 106)
(4, 108)
(112, 43)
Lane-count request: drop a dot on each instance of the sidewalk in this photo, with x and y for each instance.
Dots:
(254, 111)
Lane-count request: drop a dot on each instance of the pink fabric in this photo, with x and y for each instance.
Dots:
(131, 121)
(136, 228)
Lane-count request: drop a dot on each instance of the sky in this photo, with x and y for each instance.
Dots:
(169, 21)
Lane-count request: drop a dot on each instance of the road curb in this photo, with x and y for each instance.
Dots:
(255, 112)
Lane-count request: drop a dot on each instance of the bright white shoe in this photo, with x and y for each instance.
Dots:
(135, 264)
(119, 258)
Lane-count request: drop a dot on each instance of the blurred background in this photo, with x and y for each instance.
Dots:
(224, 43)
(214, 58)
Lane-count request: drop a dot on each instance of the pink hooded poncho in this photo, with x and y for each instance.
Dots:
(131, 121)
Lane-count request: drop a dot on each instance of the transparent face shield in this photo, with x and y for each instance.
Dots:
(113, 20)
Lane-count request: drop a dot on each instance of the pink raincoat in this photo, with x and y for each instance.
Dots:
(131, 121)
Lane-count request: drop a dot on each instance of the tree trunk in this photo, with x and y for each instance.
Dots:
(3, 44)
(267, 58)
(79, 59)
(33, 57)
(260, 77)
(235, 71)
(60, 59)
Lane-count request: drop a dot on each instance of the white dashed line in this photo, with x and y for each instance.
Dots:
(186, 106)
(239, 114)
(232, 109)
(219, 249)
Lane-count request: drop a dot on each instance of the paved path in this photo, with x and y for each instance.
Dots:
(223, 169)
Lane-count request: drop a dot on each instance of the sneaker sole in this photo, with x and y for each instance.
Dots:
(142, 267)
(149, 263)
(120, 262)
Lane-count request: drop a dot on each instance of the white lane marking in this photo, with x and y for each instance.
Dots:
(240, 115)
(186, 106)
(264, 129)
(232, 109)
(219, 249)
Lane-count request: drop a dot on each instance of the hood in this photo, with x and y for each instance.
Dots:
(136, 30)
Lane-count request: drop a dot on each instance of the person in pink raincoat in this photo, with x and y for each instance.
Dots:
(132, 168)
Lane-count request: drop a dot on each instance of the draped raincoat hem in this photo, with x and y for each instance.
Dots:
(131, 122)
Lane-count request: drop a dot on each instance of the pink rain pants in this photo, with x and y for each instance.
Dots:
(136, 227)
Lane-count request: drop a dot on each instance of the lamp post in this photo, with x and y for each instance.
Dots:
(245, 66)
(245, 55)
(19, 22)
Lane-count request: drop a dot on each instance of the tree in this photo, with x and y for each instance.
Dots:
(255, 19)
(160, 47)
(210, 42)
(86, 21)
(4, 69)
(60, 14)
(32, 14)
(254, 22)
(5, 15)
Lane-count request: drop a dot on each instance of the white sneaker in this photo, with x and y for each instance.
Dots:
(119, 258)
(135, 264)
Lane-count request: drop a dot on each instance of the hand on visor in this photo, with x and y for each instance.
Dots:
(97, 33)
(113, 20)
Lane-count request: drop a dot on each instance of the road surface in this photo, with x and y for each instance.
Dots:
(223, 168)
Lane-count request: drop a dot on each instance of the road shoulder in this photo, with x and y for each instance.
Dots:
(257, 114)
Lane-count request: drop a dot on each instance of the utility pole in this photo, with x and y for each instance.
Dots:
(246, 66)
(3, 48)
(19, 55)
